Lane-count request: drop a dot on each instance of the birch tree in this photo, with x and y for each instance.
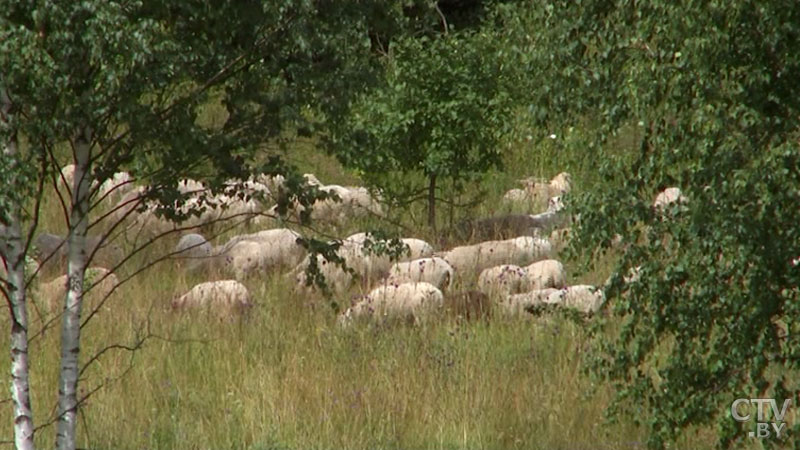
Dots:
(13, 252)
(712, 89)
(120, 84)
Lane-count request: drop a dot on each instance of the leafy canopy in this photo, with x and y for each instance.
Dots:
(713, 87)
(441, 112)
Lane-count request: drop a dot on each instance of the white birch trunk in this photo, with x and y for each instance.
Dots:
(13, 252)
(76, 269)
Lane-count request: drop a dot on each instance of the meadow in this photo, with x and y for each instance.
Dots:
(286, 377)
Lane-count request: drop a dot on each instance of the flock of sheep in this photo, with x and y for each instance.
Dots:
(507, 275)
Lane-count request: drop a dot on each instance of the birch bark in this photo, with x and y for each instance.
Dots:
(12, 249)
(76, 269)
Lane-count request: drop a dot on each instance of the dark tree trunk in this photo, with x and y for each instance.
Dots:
(432, 202)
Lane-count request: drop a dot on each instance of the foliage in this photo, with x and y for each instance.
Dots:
(122, 84)
(713, 87)
(441, 113)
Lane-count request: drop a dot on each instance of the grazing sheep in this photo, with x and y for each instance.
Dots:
(469, 305)
(668, 196)
(99, 283)
(561, 184)
(351, 249)
(517, 303)
(417, 249)
(193, 246)
(634, 275)
(475, 258)
(194, 253)
(514, 196)
(337, 279)
(243, 259)
(311, 179)
(275, 184)
(353, 201)
(366, 265)
(283, 236)
(112, 189)
(225, 297)
(548, 273)
(537, 190)
(115, 187)
(212, 208)
(532, 248)
(50, 251)
(555, 204)
(584, 298)
(67, 180)
(435, 271)
(408, 300)
(265, 250)
(501, 280)
(139, 216)
(380, 264)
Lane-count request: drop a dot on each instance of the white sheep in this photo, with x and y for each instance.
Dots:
(225, 297)
(193, 246)
(417, 249)
(243, 259)
(530, 197)
(584, 298)
(434, 270)
(371, 266)
(513, 196)
(337, 279)
(353, 202)
(115, 187)
(66, 181)
(500, 280)
(367, 266)
(212, 208)
(379, 265)
(99, 283)
(351, 250)
(561, 184)
(517, 303)
(408, 300)
(548, 273)
(532, 249)
(475, 258)
(536, 190)
(262, 251)
(138, 221)
(668, 196)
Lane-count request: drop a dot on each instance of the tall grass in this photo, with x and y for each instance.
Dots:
(287, 377)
